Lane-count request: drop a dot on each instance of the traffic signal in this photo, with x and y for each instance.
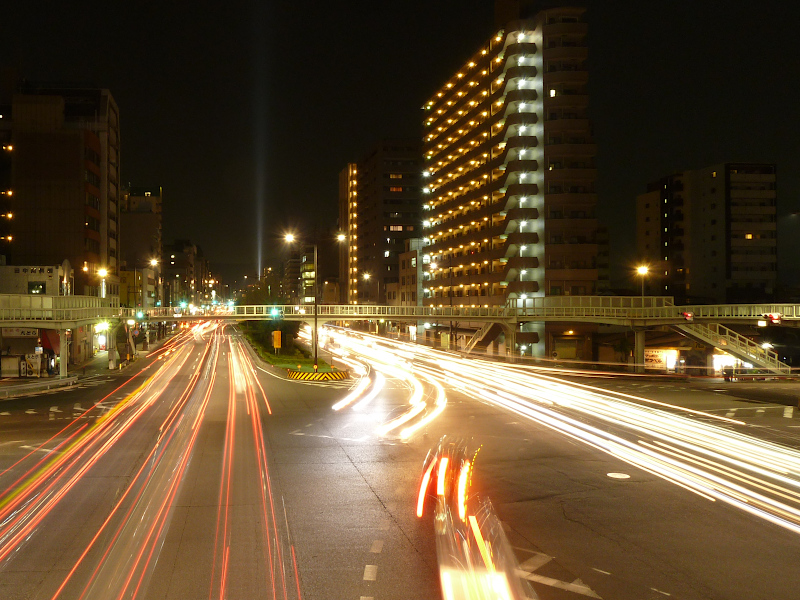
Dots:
(689, 316)
(773, 318)
(276, 313)
(140, 315)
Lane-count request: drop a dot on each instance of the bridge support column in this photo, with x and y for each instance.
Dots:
(511, 342)
(638, 350)
(111, 346)
(64, 352)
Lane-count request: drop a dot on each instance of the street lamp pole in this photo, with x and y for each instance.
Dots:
(103, 273)
(291, 238)
(316, 274)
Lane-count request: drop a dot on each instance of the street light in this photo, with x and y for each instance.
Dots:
(642, 271)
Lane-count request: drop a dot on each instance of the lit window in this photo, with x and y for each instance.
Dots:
(748, 236)
(552, 93)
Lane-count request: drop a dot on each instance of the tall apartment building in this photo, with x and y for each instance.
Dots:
(59, 179)
(348, 224)
(509, 171)
(710, 235)
(379, 208)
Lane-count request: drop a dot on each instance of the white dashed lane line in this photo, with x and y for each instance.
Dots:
(370, 572)
(377, 546)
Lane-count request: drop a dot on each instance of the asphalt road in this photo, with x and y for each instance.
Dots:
(204, 475)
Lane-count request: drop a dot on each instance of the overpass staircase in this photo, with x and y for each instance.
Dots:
(483, 337)
(735, 344)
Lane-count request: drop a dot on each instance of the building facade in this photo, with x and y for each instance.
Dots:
(59, 180)
(141, 243)
(186, 274)
(509, 171)
(710, 235)
(379, 214)
(348, 224)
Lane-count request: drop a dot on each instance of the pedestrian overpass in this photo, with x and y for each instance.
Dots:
(704, 323)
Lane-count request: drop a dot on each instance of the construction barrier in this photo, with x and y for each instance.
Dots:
(318, 376)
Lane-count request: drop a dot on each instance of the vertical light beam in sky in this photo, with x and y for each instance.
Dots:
(260, 36)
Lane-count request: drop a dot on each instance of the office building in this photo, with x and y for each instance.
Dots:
(59, 180)
(509, 173)
(710, 235)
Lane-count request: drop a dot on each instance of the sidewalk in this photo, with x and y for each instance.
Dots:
(97, 365)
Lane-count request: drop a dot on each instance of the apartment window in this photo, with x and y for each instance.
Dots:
(395, 188)
(395, 176)
(395, 228)
(93, 178)
(748, 236)
(93, 201)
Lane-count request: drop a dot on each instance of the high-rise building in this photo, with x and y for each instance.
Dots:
(59, 175)
(710, 235)
(292, 283)
(141, 241)
(379, 208)
(509, 173)
(348, 225)
(186, 274)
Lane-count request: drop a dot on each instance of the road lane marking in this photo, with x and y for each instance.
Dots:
(367, 598)
(377, 546)
(660, 592)
(533, 563)
(600, 571)
(576, 586)
(45, 450)
(30, 411)
(54, 409)
(788, 411)
(370, 572)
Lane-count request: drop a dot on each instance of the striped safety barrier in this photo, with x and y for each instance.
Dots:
(318, 376)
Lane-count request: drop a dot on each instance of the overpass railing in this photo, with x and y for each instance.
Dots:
(647, 310)
(31, 307)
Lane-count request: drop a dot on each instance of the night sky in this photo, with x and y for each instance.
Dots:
(223, 104)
